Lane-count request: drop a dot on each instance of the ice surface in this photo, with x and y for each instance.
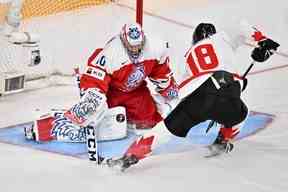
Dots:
(258, 163)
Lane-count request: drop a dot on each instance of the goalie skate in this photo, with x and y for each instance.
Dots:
(40, 130)
(29, 132)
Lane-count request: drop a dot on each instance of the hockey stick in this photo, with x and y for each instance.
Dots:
(245, 81)
(248, 70)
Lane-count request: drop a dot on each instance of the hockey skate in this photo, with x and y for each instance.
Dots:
(139, 149)
(223, 143)
(123, 163)
(29, 132)
(40, 130)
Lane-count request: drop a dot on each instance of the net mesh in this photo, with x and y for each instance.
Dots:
(34, 8)
(3, 11)
(59, 23)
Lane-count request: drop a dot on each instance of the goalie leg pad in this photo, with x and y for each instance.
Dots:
(40, 130)
(54, 127)
(113, 126)
(66, 131)
(91, 107)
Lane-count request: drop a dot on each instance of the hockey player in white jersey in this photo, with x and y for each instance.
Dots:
(211, 91)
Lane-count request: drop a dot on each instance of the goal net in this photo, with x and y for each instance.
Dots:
(66, 32)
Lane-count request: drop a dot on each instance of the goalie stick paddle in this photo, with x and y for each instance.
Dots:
(92, 145)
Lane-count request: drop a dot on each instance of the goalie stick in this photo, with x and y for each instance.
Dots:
(92, 145)
(90, 131)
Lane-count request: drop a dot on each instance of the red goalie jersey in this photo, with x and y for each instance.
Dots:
(122, 78)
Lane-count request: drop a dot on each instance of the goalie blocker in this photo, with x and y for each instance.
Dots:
(55, 126)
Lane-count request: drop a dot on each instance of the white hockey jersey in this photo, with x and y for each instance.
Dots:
(207, 56)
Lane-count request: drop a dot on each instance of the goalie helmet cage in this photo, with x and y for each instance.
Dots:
(59, 25)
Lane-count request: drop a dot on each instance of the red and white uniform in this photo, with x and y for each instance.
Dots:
(123, 82)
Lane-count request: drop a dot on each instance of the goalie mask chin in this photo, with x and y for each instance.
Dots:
(133, 39)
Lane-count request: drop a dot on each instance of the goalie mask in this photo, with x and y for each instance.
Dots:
(133, 39)
(203, 31)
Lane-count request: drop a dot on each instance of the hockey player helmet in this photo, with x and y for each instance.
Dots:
(202, 31)
(133, 39)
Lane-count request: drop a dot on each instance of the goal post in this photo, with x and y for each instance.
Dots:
(139, 12)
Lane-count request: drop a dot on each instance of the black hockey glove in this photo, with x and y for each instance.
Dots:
(264, 50)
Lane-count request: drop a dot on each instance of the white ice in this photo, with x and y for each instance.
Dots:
(258, 163)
